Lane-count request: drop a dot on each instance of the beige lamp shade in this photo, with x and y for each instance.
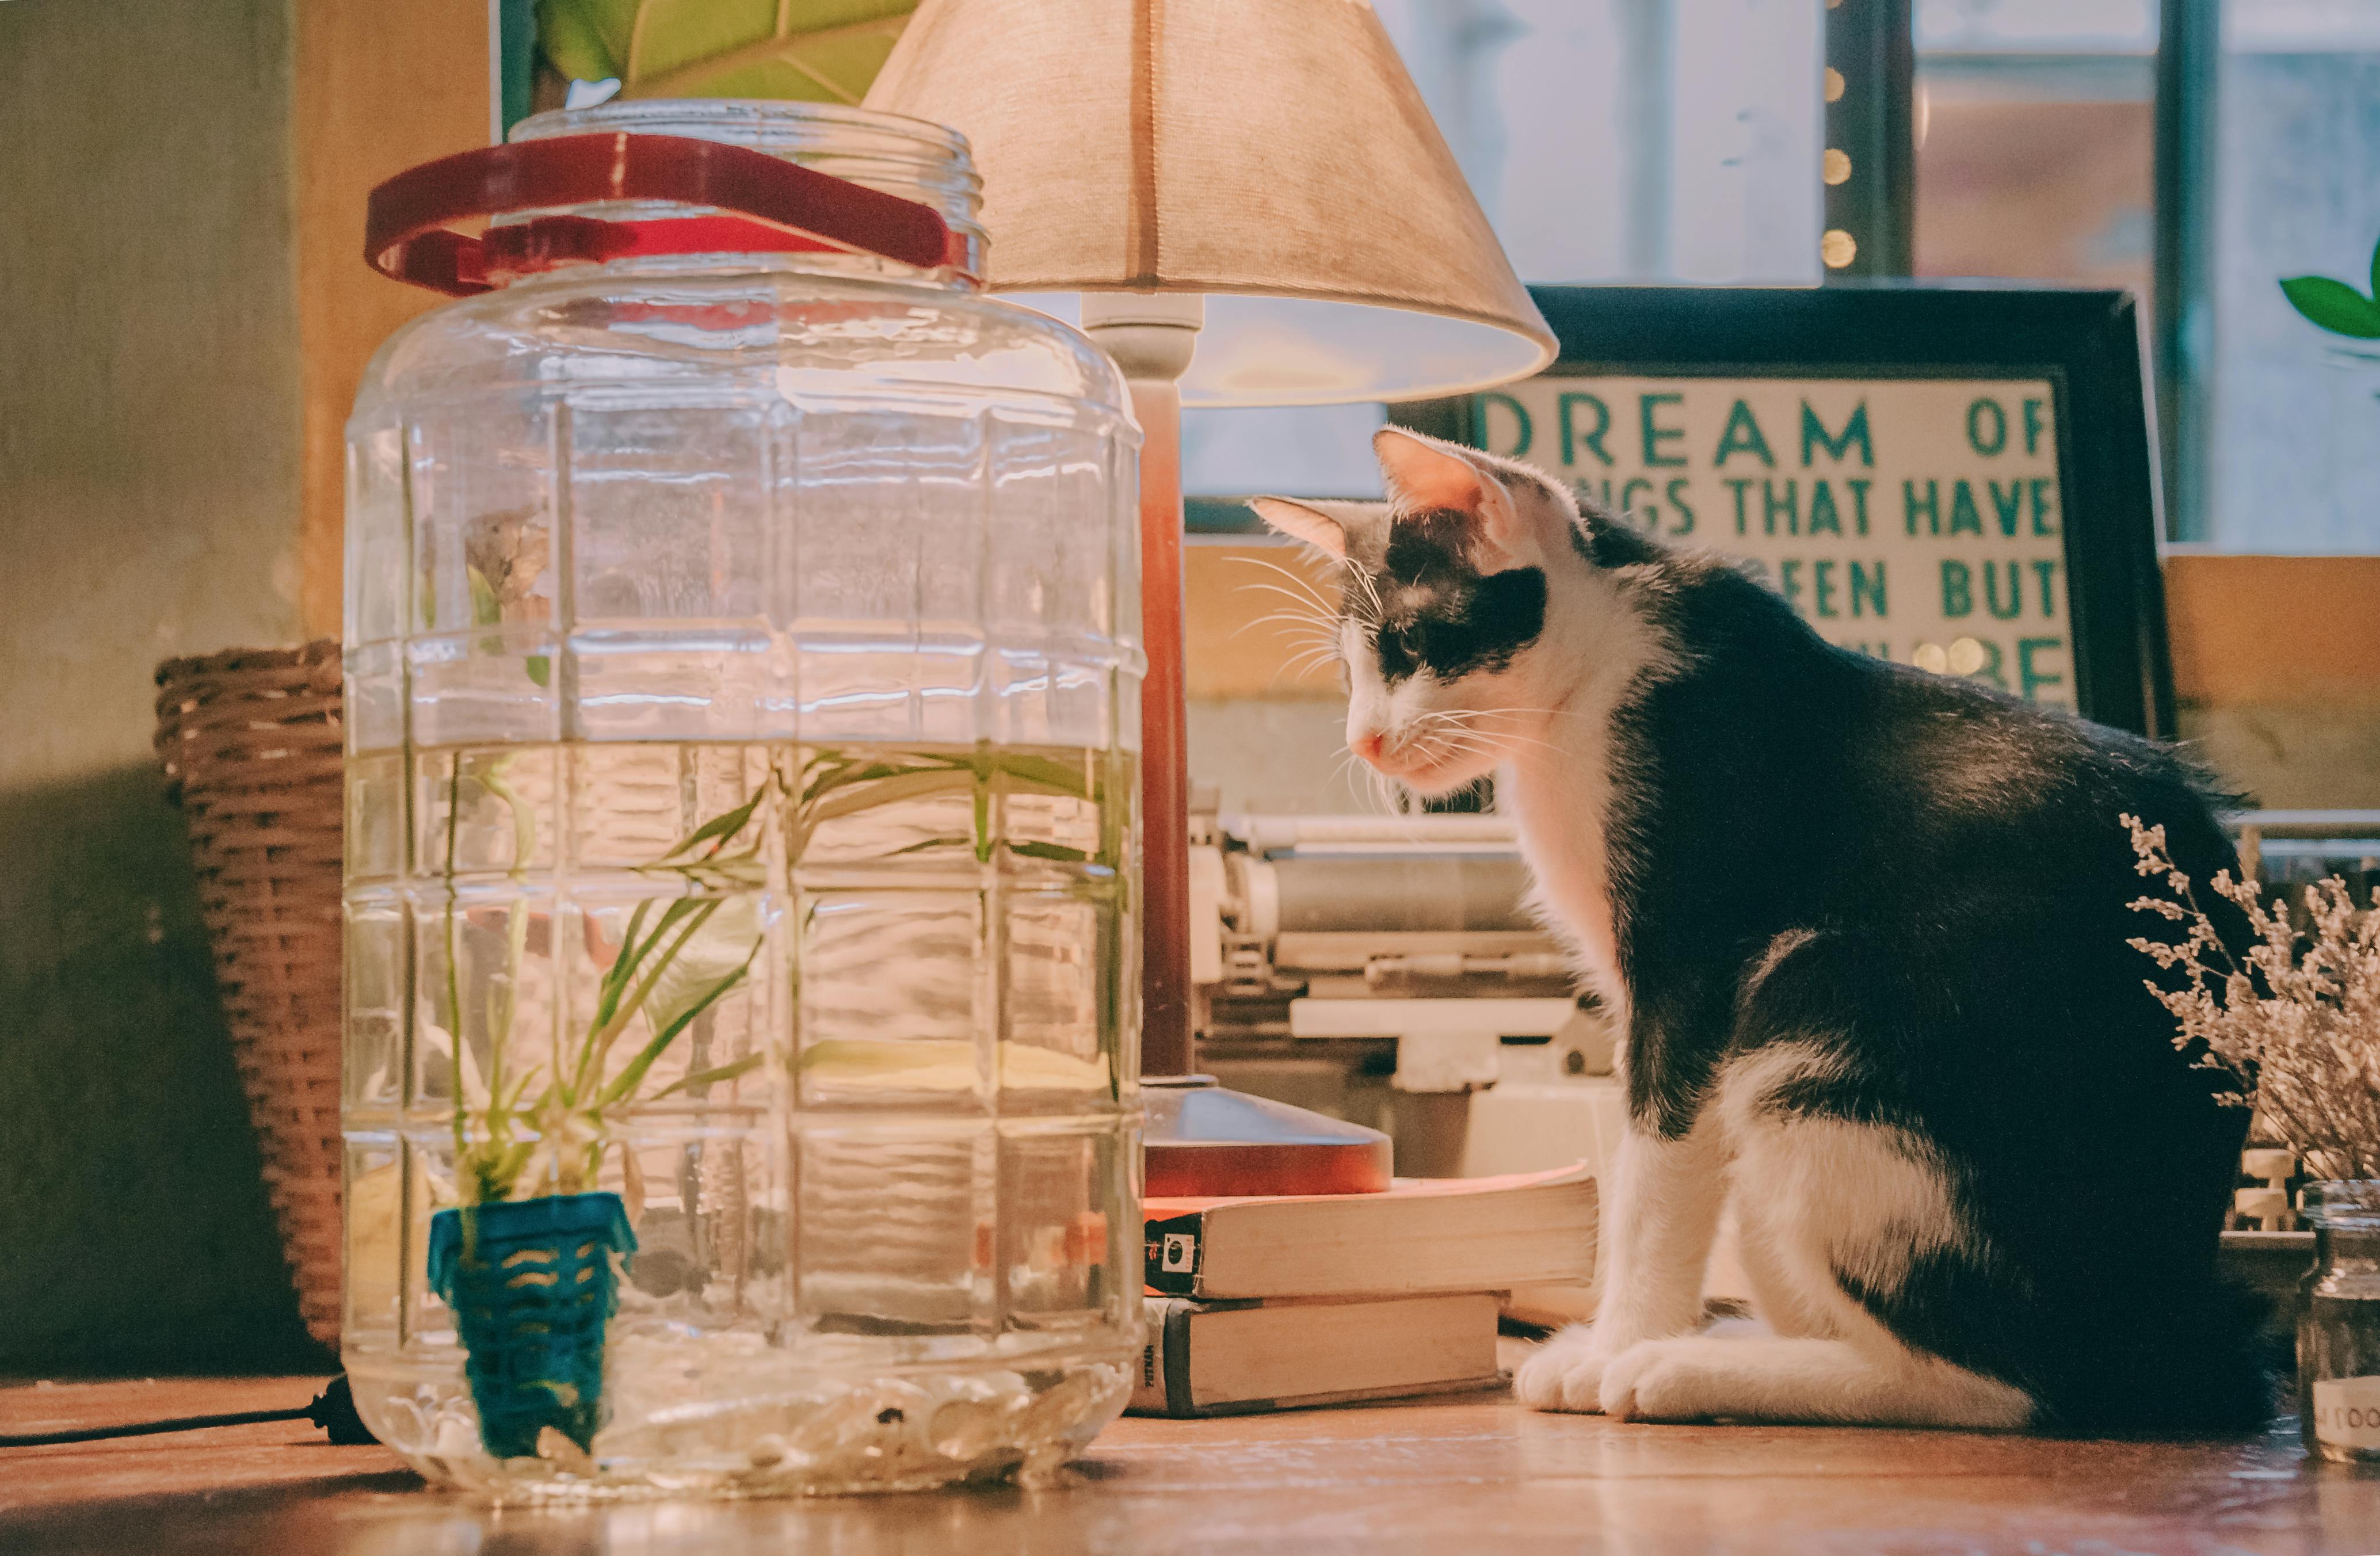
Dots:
(1271, 154)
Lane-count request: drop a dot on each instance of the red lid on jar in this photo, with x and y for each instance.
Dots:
(756, 203)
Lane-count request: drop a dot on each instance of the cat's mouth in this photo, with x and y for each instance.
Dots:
(1421, 769)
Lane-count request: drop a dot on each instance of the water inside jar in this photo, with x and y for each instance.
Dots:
(861, 1010)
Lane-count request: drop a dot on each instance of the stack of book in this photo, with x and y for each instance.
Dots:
(1272, 1303)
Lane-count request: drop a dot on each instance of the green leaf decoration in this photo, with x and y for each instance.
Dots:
(810, 51)
(712, 1076)
(2334, 306)
(485, 611)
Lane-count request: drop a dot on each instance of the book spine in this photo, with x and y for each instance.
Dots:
(1162, 1384)
(1170, 1251)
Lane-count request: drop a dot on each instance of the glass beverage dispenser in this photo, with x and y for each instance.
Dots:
(743, 661)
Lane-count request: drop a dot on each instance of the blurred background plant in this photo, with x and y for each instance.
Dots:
(811, 51)
(2336, 305)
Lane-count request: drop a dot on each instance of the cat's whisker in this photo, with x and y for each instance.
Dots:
(1520, 714)
(1321, 610)
(1297, 667)
(1490, 741)
(1342, 772)
(1507, 712)
(1293, 670)
(1282, 618)
(1369, 590)
(1304, 585)
(1300, 579)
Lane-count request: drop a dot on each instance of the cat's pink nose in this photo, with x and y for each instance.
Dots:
(1367, 744)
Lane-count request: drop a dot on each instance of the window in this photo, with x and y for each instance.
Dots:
(2288, 459)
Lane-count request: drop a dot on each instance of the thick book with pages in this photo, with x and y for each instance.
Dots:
(1425, 1234)
(1232, 1358)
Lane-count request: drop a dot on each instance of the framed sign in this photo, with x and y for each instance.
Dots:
(1958, 476)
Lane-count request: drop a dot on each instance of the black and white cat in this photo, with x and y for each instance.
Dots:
(1865, 929)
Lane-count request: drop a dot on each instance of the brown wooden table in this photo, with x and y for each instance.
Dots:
(1473, 1474)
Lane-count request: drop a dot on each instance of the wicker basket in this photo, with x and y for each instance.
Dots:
(251, 741)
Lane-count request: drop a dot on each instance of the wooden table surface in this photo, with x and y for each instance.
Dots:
(1470, 1474)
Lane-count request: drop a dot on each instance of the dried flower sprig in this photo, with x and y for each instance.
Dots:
(2297, 1024)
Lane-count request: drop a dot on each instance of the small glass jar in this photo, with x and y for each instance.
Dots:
(2338, 1339)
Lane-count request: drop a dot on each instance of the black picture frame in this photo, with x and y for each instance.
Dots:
(2085, 342)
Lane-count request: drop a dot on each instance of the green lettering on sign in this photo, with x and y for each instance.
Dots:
(2045, 573)
(1822, 590)
(1867, 590)
(1814, 435)
(1824, 517)
(2044, 490)
(1572, 439)
(1986, 427)
(1958, 589)
(1628, 504)
(1742, 435)
(1911, 506)
(2029, 678)
(1677, 490)
(1654, 434)
(2007, 509)
(1737, 484)
(1965, 518)
(1523, 433)
(1859, 485)
(1992, 592)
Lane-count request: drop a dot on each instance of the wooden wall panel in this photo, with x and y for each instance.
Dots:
(379, 88)
(1242, 638)
(2297, 630)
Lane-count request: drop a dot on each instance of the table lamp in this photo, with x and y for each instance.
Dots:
(1258, 211)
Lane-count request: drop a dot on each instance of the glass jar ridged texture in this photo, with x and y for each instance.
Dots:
(743, 661)
(2339, 1334)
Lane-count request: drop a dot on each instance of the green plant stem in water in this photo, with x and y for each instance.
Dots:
(569, 1114)
(573, 1103)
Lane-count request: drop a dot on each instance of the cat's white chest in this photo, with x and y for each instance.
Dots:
(1563, 811)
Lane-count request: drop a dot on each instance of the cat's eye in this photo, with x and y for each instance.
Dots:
(1400, 648)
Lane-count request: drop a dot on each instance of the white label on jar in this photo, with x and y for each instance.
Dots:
(2347, 1412)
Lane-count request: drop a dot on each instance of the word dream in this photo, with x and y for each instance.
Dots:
(1914, 520)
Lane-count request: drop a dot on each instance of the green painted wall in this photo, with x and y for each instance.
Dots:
(149, 462)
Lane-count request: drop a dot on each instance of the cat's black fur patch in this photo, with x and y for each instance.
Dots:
(1430, 608)
(1944, 865)
(1924, 880)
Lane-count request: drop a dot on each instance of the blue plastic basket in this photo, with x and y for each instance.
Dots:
(532, 1288)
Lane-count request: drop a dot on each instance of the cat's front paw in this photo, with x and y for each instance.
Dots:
(1661, 1381)
(1565, 1373)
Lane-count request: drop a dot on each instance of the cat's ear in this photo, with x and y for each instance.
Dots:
(1427, 476)
(1299, 522)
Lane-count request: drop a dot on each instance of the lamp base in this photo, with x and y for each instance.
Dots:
(1206, 1140)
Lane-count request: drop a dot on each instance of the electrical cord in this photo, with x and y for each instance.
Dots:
(334, 1410)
